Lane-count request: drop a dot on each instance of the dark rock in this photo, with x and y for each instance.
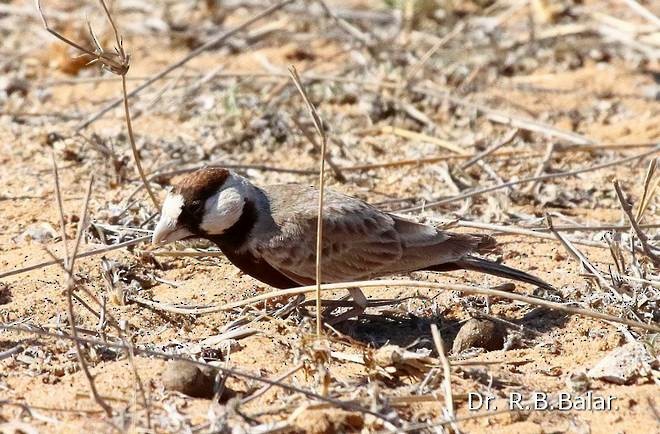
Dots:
(479, 333)
(188, 379)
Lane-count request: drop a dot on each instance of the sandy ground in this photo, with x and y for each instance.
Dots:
(186, 120)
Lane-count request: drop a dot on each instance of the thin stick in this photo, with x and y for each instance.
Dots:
(211, 43)
(412, 135)
(267, 387)
(651, 183)
(119, 64)
(480, 191)
(58, 197)
(414, 69)
(466, 289)
(627, 209)
(517, 154)
(69, 293)
(542, 166)
(12, 351)
(347, 405)
(508, 138)
(136, 154)
(526, 232)
(440, 348)
(95, 252)
(584, 261)
(320, 130)
(643, 12)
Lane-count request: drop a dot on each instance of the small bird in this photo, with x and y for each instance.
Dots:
(270, 234)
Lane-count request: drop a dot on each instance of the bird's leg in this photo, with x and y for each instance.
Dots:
(359, 305)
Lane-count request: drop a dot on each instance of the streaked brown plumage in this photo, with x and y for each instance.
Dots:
(270, 233)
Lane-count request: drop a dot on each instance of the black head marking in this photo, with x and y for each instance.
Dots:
(195, 189)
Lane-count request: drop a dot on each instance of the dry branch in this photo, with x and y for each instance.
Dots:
(94, 252)
(71, 284)
(346, 405)
(118, 63)
(627, 209)
(466, 289)
(196, 52)
(320, 130)
(484, 190)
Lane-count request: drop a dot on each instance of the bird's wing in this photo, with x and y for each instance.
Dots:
(358, 240)
(424, 246)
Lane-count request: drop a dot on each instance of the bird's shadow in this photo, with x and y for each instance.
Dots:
(414, 332)
(411, 332)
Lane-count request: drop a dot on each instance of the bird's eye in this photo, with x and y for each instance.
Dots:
(195, 205)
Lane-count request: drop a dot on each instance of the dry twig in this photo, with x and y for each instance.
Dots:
(483, 190)
(118, 63)
(627, 209)
(320, 130)
(465, 289)
(70, 262)
(440, 348)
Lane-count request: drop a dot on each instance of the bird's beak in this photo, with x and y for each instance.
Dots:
(166, 231)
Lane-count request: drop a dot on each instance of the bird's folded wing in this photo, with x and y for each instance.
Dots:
(358, 241)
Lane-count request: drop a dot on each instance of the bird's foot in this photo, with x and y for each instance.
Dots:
(357, 308)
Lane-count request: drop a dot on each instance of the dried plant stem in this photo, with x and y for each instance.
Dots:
(320, 130)
(71, 284)
(543, 165)
(196, 52)
(58, 198)
(136, 154)
(627, 209)
(480, 191)
(267, 387)
(651, 183)
(526, 232)
(577, 254)
(119, 64)
(508, 138)
(347, 405)
(446, 368)
(412, 135)
(466, 289)
(94, 252)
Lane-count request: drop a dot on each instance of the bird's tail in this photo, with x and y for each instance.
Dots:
(490, 267)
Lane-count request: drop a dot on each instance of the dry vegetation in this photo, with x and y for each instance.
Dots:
(537, 121)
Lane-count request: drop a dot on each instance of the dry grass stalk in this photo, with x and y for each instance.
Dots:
(506, 118)
(446, 368)
(465, 289)
(320, 130)
(70, 263)
(93, 252)
(508, 138)
(526, 232)
(484, 190)
(223, 37)
(346, 405)
(118, 63)
(412, 135)
(651, 183)
(577, 254)
(643, 239)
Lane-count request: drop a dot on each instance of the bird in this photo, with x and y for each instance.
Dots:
(270, 234)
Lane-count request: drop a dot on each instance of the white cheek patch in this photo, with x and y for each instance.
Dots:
(222, 211)
(172, 206)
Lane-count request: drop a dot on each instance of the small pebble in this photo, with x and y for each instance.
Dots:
(188, 379)
(479, 333)
(623, 365)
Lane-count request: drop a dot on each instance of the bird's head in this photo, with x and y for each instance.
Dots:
(206, 202)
